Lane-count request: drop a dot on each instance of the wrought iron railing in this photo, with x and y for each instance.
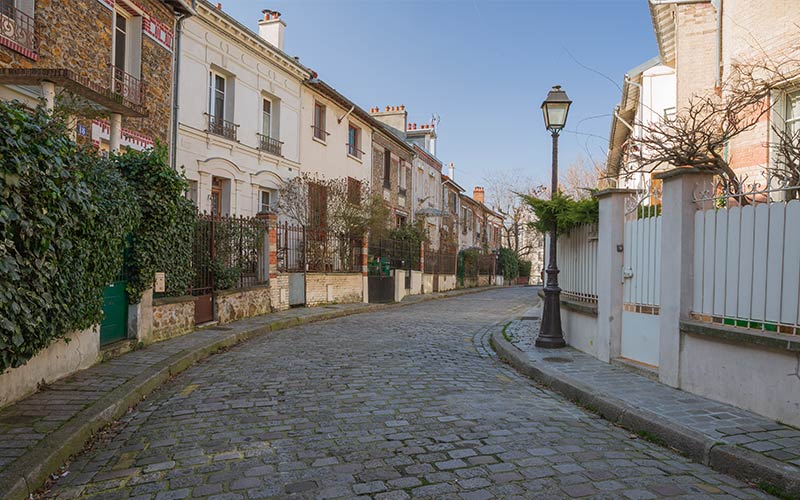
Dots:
(221, 127)
(126, 85)
(17, 26)
(269, 144)
(320, 133)
(316, 250)
(353, 150)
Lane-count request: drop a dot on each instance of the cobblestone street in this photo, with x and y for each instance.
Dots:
(408, 402)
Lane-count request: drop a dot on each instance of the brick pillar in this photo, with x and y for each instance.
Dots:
(610, 253)
(677, 264)
(278, 283)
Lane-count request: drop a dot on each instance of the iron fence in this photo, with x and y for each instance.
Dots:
(317, 250)
(269, 144)
(386, 254)
(440, 261)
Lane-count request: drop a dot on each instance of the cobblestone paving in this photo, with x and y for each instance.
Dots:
(719, 421)
(401, 403)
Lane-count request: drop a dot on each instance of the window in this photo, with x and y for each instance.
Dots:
(265, 201)
(402, 176)
(387, 169)
(216, 196)
(191, 193)
(216, 96)
(354, 141)
(319, 122)
(793, 112)
(119, 58)
(317, 206)
(354, 191)
(401, 220)
(266, 118)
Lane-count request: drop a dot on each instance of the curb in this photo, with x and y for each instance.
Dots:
(738, 462)
(30, 471)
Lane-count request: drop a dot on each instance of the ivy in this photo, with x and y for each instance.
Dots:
(163, 240)
(64, 215)
(563, 210)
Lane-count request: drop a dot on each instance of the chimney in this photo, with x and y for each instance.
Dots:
(271, 28)
(451, 171)
(477, 194)
(393, 116)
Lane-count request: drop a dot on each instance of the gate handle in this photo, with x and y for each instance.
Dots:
(627, 273)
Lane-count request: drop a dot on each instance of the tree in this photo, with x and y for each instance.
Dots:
(580, 179)
(503, 190)
(699, 133)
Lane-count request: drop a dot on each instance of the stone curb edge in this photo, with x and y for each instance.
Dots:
(741, 463)
(30, 471)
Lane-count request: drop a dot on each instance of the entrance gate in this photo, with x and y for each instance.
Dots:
(642, 274)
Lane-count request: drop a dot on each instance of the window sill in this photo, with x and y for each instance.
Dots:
(356, 158)
(317, 139)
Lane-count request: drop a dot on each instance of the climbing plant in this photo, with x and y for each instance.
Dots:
(64, 215)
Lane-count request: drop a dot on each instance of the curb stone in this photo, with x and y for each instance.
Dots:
(729, 459)
(30, 471)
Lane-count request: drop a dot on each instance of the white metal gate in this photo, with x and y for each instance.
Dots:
(642, 274)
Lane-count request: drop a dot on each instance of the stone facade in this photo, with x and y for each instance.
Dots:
(233, 305)
(172, 317)
(326, 288)
(398, 200)
(76, 35)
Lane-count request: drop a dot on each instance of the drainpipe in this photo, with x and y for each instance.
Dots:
(176, 65)
(719, 45)
(346, 114)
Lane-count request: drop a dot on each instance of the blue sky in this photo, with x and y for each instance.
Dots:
(483, 66)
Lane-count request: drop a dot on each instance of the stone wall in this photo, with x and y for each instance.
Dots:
(326, 288)
(447, 282)
(427, 283)
(76, 35)
(172, 317)
(57, 360)
(233, 305)
(484, 280)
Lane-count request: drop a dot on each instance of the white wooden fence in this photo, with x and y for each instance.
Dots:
(577, 261)
(747, 266)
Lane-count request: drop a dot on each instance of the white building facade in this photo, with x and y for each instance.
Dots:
(239, 117)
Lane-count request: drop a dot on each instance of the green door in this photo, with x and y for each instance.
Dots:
(114, 326)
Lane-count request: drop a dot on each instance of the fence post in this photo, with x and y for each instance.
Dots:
(677, 264)
(365, 269)
(611, 234)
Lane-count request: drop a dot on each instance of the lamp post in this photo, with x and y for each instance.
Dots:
(555, 109)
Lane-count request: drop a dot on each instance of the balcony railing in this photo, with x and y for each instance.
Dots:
(269, 144)
(353, 150)
(224, 128)
(125, 85)
(320, 133)
(17, 27)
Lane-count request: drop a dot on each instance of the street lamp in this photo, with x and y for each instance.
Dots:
(555, 109)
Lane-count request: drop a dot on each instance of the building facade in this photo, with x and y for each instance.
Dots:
(240, 109)
(116, 76)
(392, 158)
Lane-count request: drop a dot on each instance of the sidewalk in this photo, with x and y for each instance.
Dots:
(39, 433)
(728, 439)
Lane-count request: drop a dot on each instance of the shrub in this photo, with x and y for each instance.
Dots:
(508, 264)
(467, 264)
(525, 268)
(564, 210)
(163, 240)
(64, 216)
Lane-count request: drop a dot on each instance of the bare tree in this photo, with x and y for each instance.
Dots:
(580, 179)
(698, 134)
(503, 190)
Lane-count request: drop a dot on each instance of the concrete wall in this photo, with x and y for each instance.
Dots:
(233, 305)
(427, 283)
(447, 282)
(416, 283)
(172, 317)
(484, 280)
(326, 288)
(58, 360)
(758, 379)
(580, 326)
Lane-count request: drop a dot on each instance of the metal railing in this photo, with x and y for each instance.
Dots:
(126, 85)
(353, 150)
(394, 254)
(221, 127)
(269, 144)
(17, 26)
(440, 260)
(316, 250)
(320, 133)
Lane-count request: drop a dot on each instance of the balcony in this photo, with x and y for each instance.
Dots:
(223, 128)
(125, 85)
(269, 144)
(353, 151)
(320, 133)
(17, 30)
